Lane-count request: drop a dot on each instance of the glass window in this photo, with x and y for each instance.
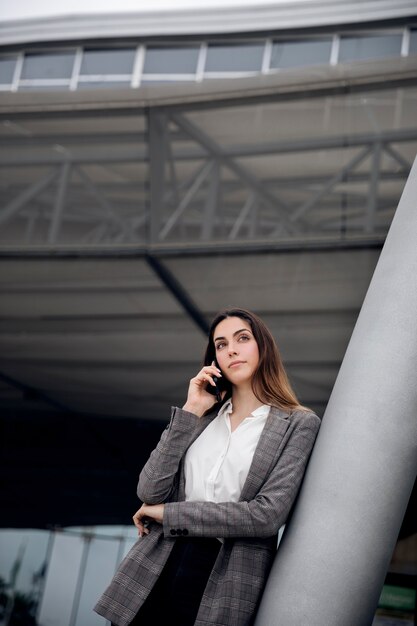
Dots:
(300, 53)
(103, 84)
(235, 58)
(110, 61)
(167, 81)
(374, 47)
(99, 568)
(7, 65)
(413, 42)
(61, 583)
(171, 60)
(48, 65)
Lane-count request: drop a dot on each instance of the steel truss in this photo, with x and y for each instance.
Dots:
(220, 199)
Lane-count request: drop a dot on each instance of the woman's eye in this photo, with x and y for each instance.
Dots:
(219, 346)
(245, 337)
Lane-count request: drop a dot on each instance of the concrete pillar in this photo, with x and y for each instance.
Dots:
(335, 552)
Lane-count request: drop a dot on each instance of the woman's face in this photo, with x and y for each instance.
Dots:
(236, 350)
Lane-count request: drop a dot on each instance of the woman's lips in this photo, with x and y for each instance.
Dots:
(236, 363)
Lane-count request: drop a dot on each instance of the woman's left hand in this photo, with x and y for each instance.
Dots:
(154, 512)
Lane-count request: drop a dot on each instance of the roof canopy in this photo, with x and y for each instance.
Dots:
(131, 216)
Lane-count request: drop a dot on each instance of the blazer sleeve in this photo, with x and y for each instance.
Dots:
(260, 517)
(159, 474)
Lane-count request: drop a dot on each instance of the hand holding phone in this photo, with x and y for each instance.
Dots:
(208, 382)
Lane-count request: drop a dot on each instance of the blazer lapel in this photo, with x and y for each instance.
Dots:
(266, 451)
(202, 424)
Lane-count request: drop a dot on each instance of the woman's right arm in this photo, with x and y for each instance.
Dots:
(159, 474)
(157, 477)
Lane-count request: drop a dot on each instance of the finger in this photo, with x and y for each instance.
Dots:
(202, 379)
(210, 369)
(218, 370)
(137, 520)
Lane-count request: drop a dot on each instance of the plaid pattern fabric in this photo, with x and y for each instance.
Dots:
(249, 527)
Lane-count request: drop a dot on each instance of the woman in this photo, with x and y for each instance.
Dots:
(217, 488)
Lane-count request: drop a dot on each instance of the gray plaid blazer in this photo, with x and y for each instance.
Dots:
(249, 527)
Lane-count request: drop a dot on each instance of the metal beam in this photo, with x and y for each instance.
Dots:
(214, 248)
(337, 178)
(370, 214)
(254, 222)
(59, 203)
(334, 180)
(28, 194)
(211, 203)
(71, 139)
(127, 154)
(178, 291)
(191, 153)
(245, 211)
(243, 173)
(333, 142)
(173, 178)
(398, 158)
(306, 181)
(175, 215)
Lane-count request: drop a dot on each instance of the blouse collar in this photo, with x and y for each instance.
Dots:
(261, 411)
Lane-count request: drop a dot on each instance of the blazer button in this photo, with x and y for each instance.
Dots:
(184, 531)
(179, 531)
(173, 532)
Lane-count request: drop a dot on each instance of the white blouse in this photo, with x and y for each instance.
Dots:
(217, 463)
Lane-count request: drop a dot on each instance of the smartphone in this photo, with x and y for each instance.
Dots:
(220, 386)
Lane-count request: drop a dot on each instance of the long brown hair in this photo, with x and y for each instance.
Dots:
(270, 382)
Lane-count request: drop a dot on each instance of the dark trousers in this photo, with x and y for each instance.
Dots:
(176, 596)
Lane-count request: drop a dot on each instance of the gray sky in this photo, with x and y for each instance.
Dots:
(29, 8)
